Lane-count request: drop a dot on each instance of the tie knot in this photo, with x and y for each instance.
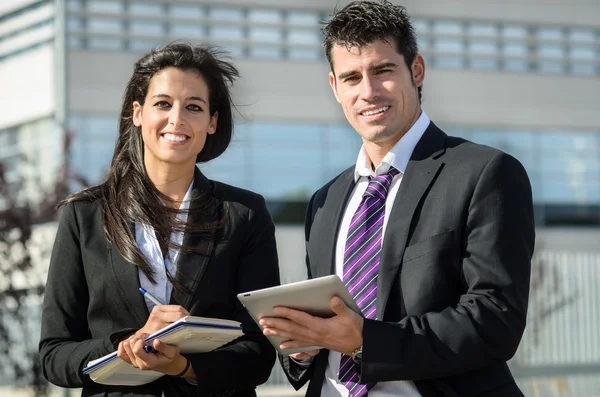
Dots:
(380, 184)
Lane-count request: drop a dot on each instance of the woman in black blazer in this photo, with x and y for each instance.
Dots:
(159, 223)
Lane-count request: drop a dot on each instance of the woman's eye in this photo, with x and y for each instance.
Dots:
(194, 108)
(162, 104)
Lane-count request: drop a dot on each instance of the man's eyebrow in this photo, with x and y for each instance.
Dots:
(194, 98)
(344, 75)
(379, 66)
(383, 65)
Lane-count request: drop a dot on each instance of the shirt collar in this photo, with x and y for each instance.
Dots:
(398, 156)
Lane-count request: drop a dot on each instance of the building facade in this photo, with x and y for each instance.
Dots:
(522, 76)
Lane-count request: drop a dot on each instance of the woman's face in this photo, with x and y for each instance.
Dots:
(174, 119)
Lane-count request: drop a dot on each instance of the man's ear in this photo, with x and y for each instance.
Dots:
(418, 70)
(212, 125)
(137, 114)
(333, 84)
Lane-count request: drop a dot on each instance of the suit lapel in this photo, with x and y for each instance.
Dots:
(329, 223)
(128, 283)
(191, 265)
(422, 169)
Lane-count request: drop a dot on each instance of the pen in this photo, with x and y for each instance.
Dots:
(150, 297)
(150, 349)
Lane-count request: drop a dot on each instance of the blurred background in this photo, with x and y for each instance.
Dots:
(519, 75)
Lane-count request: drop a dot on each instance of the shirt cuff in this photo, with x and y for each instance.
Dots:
(302, 363)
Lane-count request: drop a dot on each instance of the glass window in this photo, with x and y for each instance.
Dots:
(422, 27)
(551, 67)
(264, 16)
(142, 45)
(74, 5)
(186, 11)
(74, 42)
(583, 69)
(483, 30)
(105, 43)
(582, 60)
(550, 34)
(265, 52)
(447, 28)
(148, 28)
(227, 32)
(482, 47)
(186, 30)
(302, 18)
(515, 56)
(582, 35)
(104, 25)
(514, 31)
(225, 14)
(341, 146)
(582, 52)
(107, 6)
(137, 8)
(303, 36)
(74, 24)
(550, 51)
(234, 51)
(265, 34)
(303, 54)
(448, 45)
(488, 49)
(443, 48)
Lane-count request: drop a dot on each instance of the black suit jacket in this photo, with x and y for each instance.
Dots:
(92, 297)
(454, 275)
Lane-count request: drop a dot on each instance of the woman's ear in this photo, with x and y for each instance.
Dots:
(212, 125)
(137, 114)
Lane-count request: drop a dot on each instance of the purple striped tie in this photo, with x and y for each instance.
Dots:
(361, 263)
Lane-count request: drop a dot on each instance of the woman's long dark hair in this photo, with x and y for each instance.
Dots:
(128, 194)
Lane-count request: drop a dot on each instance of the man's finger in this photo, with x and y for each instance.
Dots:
(338, 306)
(296, 316)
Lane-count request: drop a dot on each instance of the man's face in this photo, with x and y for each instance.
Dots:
(377, 91)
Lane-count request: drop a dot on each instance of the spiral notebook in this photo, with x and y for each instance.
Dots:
(191, 334)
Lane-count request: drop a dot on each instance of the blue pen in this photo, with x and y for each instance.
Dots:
(150, 297)
(150, 349)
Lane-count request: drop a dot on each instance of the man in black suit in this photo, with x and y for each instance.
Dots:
(452, 251)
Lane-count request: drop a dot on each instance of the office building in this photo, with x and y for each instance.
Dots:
(522, 76)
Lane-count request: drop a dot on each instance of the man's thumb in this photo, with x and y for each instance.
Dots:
(337, 305)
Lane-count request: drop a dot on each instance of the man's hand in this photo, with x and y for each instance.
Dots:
(341, 333)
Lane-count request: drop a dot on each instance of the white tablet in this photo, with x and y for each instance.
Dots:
(311, 296)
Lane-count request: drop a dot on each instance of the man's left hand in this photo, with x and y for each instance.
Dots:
(341, 333)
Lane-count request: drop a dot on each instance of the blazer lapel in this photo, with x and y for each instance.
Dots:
(191, 265)
(422, 169)
(128, 283)
(329, 223)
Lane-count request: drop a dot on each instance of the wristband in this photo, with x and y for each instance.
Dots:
(187, 367)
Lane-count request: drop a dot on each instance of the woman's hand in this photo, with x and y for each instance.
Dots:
(165, 358)
(161, 316)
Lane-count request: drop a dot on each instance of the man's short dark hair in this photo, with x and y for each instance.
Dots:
(364, 22)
